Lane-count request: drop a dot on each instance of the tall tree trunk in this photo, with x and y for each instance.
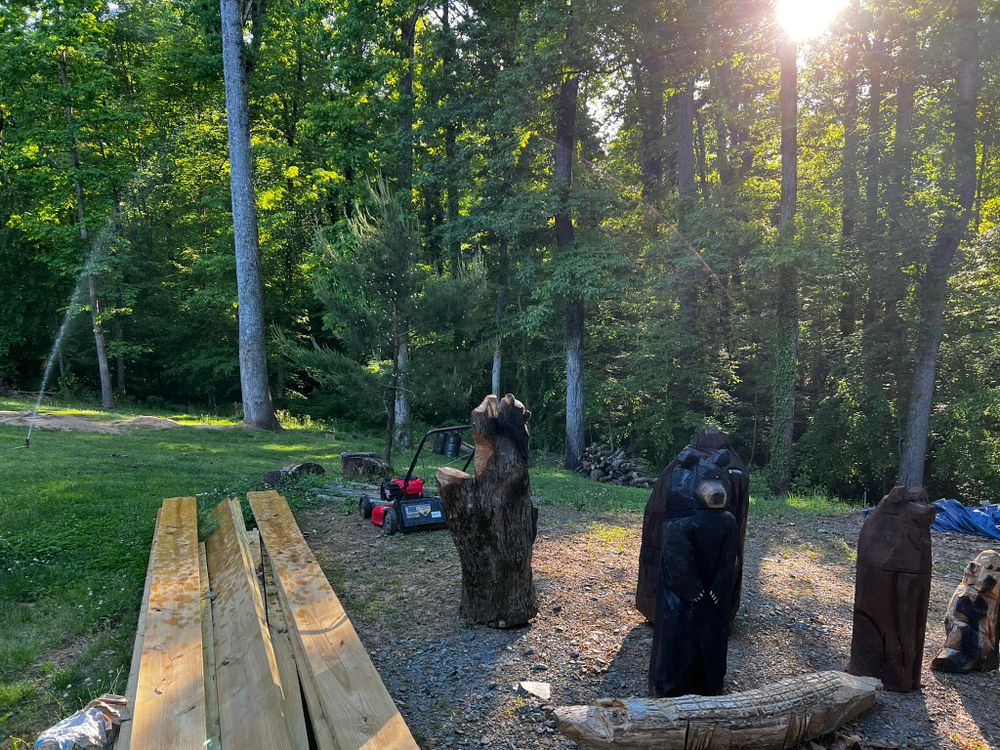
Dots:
(107, 394)
(401, 407)
(873, 156)
(897, 190)
(954, 227)
(390, 407)
(563, 176)
(451, 165)
(119, 331)
(787, 302)
(258, 410)
(684, 137)
(501, 307)
(851, 196)
(403, 436)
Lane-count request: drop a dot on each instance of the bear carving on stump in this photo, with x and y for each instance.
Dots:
(973, 620)
(491, 517)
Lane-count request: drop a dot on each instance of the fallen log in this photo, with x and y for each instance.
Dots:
(777, 716)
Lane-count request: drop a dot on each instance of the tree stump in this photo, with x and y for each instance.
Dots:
(366, 467)
(973, 620)
(490, 517)
(892, 590)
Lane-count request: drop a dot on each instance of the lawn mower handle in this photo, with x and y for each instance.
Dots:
(420, 447)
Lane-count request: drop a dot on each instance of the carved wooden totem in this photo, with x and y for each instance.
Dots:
(698, 565)
(714, 445)
(892, 590)
(972, 624)
(491, 517)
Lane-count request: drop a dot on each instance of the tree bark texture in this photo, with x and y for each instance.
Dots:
(563, 177)
(491, 517)
(684, 136)
(774, 717)
(787, 288)
(107, 393)
(258, 410)
(954, 227)
(402, 435)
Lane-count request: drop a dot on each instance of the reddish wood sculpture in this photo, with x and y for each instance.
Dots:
(706, 443)
(892, 590)
(491, 518)
(973, 620)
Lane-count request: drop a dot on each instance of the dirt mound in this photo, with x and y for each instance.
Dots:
(155, 423)
(58, 422)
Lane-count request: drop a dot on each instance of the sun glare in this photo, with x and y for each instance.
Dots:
(805, 19)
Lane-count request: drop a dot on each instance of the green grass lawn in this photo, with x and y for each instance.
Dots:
(76, 520)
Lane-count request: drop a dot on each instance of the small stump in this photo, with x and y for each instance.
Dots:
(365, 467)
(491, 517)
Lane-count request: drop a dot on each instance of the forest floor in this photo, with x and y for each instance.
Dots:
(76, 519)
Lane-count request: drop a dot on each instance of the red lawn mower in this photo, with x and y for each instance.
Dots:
(402, 505)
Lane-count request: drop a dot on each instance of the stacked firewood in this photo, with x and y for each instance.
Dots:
(608, 465)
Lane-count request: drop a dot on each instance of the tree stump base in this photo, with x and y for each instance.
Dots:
(490, 517)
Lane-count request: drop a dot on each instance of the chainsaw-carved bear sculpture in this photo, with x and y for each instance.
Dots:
(698, 567)
(709, 444)
(892, 590)
(492, 519)
(973, 620)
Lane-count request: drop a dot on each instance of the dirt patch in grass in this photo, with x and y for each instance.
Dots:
(74, 423)
(455, 682)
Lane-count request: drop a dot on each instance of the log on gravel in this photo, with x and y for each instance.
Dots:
(778, 716)
(491, 518)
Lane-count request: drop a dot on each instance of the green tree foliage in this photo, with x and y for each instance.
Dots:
(675, 203)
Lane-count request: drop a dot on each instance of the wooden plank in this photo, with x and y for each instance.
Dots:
(124, 740)
(284, 654)
(251, 701)
(170, 691)
(208, 640)
(355, 702)
(253, 543)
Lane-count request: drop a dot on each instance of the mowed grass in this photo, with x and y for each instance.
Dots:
(76, 519)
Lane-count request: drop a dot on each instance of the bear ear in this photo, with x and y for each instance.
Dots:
(687, 458)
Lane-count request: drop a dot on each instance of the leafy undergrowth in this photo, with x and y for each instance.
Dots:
(76, 520)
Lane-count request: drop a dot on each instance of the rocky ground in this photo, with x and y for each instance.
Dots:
(457, 683)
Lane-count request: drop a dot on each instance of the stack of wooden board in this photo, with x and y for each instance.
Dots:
(242, 644)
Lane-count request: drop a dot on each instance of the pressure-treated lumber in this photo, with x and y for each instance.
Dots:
(348, 689)
(170, 691)
(251, 701)
(125, 730)
(208, 650)
(284, 654)
(778, 716)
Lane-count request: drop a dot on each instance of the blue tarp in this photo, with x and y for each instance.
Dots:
(961, 519)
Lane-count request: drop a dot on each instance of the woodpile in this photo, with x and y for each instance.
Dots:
(612, 466)
(242, 643)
